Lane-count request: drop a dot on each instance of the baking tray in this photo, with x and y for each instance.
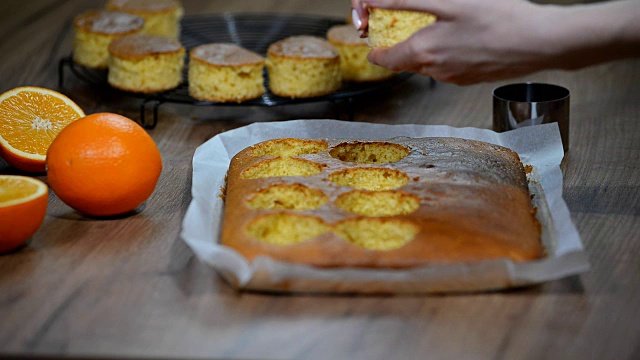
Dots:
(253, 31)
(538, 146)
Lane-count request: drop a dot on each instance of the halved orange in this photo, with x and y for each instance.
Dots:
(30, 118)
(23, 205)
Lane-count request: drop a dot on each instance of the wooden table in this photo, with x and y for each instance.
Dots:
(130, 287)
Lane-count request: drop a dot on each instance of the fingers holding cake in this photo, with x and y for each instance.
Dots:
(361, 9)
(389, 24)
(353, 55)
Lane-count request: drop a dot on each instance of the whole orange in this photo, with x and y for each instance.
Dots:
(23, 206)
(103, 164)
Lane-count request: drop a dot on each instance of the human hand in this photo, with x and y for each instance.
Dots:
(472, 41)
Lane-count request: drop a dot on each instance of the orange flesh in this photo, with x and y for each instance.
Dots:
(29, 121)
(14, 189)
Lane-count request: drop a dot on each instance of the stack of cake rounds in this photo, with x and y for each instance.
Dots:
(303, 66)
(389, 27)
(353, 55)
(162, 17)
(225, 73)
(94, 31)
(145, 63)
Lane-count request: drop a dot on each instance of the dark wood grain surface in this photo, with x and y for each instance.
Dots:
(130, 287)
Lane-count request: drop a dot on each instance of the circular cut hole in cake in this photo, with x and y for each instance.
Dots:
(285, 228)
(287, 196)
(377, 233)
(374, 179)
(282, 166)
(369, 152)
(288, 147)
(378, 203)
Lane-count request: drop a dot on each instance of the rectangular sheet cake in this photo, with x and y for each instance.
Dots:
(397, 203)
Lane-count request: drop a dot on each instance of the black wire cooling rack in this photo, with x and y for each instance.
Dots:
(252, 31)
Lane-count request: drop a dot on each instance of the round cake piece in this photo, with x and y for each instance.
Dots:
(389, 27)
(162, 17)
(303, 66)
(353, 55)
(225, 73)
(94, 31)
(145, 63)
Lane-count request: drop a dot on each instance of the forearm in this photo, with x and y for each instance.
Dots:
(478, 40)
(592, 34)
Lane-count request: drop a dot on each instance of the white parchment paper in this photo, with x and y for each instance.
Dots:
(539, 146)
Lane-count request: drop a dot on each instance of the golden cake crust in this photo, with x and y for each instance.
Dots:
(225, 72)
(387, 27)
(145, 63)
(225, 54)
(141, 45)
(474, 206)
(108, 22)
(303, 66)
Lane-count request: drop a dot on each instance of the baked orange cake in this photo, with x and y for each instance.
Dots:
(94, 31)
(225, 72)
(388, 27)
(162, 17)
(353, 55)
(303, 66)
(145, 63)
(397, 203)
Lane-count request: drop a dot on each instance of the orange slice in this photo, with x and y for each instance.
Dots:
(23, 205)
(30, 118)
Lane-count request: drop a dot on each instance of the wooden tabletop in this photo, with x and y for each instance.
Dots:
(130, 287)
